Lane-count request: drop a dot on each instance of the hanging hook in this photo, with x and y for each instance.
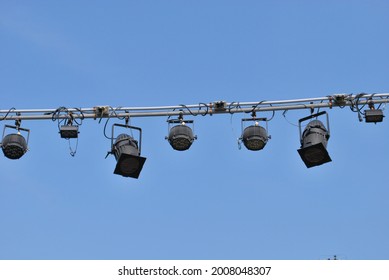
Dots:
(70, 119)
(18, 122)
(370, 103)
(127, 118)
(312, 109)
(181, 117)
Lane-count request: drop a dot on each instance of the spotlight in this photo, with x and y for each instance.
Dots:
(254, 137)
(127, 153)
(69, 131)
(14, 145)
(374, 115)
(314, 141)
(180, 136)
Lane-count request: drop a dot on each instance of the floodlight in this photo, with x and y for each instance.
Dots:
(254, 137)
(127, 154)
(314, 142)
(69, 131)
(374, 115)
(180, 136)
(14, 145)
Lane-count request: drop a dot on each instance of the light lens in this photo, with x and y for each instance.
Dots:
(255, 137)
(181, 137)
(129, 162)
(314, 142)
(14, 146)
(374, 116)
(69, 131)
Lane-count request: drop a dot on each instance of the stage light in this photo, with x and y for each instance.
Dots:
(314, 142)
(254, 137)
(68, 131)
(181, 136)
(127, 154)
(14, 145)
(374, 115)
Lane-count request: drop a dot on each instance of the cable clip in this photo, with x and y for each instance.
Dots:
(371, 104)
(18, 122)
(127, 120)
(253, 113)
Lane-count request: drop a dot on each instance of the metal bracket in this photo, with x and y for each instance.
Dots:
(18, 129)
(128, 127)
(101, 111)
(255, 119)
(311, 117)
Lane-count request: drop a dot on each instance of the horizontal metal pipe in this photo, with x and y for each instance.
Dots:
(90, 113)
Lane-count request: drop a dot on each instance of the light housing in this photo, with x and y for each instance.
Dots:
(127, 153)
(14, 145)
(314, 141)
(180, 136)
(254, 137)
(68, 131)
(374, 115)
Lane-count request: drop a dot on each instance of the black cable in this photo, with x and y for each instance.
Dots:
(186, 107)
(274, 113)
(81, 118)
(379, 106)
(105, 128)
(359, 109)
(73, 152)
(9, 111)
(353, 106)
(256, 106)
(169, 116)
(113, 113)
(200, 107)
(57, 113)
(206, 106)
(232, 106)
(284, 115)
(259, 103)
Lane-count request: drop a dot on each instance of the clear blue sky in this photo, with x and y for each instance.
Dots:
(213, 201)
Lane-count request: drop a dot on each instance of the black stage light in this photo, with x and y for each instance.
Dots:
(180, 136)
(14, 145)
(129, 163)
(314, 142)
(254, 137)
(374, 115)
(68, 131)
